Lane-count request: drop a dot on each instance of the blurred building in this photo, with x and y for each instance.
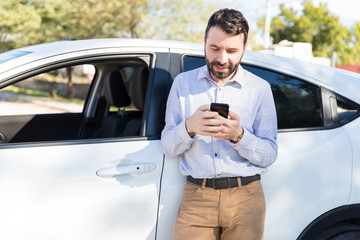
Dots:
(348, 67)
(297, 50)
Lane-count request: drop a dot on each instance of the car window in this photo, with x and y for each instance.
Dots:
(120, 103)
(190, 63)
(100, 99)
(62, 90)
(298, 103)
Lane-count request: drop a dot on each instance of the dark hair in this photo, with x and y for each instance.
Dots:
(230, 21)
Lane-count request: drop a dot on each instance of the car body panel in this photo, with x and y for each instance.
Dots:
(352, 130)
(288, 186)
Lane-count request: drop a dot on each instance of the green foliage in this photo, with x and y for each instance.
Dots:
(353, 56)
(183, 20)
(27, 22)
(17, 20)
(316, 25)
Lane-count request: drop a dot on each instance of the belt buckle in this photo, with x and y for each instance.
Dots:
(223, 183)
(213, 183)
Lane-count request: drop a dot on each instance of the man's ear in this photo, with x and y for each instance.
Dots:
(204, 44)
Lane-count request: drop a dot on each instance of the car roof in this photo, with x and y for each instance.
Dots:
(329, 77)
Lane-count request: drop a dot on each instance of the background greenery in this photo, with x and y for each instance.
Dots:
(30, 22)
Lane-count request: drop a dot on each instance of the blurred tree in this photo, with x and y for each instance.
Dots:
(107, 18)
(183, 20)
(316, 25)
(26, 22)
(17, 21)
(81, 19)
(354, 51)
(37, 21)
(55, 20)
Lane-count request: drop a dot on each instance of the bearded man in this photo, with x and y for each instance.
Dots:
(222, 158)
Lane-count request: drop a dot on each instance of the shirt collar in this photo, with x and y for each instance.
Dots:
(239, 77)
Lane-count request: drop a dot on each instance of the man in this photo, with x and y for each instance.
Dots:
(222, 158)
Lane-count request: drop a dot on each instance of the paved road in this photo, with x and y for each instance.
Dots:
(16, 108)
(16, 104)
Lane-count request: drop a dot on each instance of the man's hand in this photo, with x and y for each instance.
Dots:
(207, 123)
(204, 122)
(231, 128)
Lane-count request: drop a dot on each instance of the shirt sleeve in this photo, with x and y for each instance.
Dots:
(175, 139)
(258, 145)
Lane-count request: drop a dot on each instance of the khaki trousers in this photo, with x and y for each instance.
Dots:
(226, 214)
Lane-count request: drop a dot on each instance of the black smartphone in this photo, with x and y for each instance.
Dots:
(221, 108)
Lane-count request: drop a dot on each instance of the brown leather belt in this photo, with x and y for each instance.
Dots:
(222, 183)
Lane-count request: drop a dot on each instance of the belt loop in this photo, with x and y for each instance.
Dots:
(203, 184)
(239, 182)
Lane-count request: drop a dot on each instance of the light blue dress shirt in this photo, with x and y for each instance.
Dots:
(250, 97)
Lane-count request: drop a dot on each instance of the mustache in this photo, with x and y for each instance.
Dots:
(219, 64)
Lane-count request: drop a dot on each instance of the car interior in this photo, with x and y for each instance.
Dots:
(122, 122)
(112, 106)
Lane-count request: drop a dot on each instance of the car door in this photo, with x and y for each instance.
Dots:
(81, 186)
(106, 190)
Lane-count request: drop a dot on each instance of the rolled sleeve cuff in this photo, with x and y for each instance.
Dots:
(183, 133)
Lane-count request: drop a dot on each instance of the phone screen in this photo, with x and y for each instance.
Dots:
(221, 108)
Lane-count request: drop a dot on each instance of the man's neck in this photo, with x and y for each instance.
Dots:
(221, 82)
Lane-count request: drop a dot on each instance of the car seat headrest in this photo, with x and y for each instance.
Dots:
(115, 91)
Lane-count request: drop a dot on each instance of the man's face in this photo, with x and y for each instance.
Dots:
(223, 53)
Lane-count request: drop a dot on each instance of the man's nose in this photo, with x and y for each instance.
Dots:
(222, 57)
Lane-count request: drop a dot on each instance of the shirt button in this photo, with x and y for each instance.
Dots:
(215, 154)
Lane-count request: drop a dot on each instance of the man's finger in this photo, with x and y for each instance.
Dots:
(205, 107)
(233, 116)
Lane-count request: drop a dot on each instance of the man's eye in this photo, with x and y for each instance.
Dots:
(231, 51)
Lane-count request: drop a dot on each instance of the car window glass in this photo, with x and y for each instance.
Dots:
(298, 103)
(190, 62)
(120, 105)
(59, 91)
(50, 106)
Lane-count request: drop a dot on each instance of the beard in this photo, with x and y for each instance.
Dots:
(231, 68)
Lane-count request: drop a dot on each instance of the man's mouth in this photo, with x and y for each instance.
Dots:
(220, 68)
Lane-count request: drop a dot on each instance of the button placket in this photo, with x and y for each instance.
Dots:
(220, 91)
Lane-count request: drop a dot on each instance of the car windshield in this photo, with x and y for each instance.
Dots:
(7, 56)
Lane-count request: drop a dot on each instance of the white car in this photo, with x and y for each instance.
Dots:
(80, 153)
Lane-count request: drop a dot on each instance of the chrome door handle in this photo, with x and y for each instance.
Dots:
(125, 169)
